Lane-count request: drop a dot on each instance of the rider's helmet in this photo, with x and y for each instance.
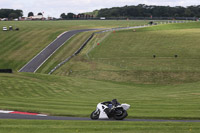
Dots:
(115, 102)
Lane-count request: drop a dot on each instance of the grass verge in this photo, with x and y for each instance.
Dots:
(33, 126)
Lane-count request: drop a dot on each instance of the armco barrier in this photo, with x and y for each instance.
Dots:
(77, 52)
(6, 71)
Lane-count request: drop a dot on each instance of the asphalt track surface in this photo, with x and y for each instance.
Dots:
(39, 59)
(32, 117)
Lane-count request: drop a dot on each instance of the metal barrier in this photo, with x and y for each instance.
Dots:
(6, 71)
(77, 52)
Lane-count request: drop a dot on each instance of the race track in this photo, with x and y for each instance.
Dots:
(34, 64)
(33, 117)
(39, 59)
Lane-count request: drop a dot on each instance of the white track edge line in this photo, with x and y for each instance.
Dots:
(52, 54)
(6, 112)
(56, 50)
(42, 50)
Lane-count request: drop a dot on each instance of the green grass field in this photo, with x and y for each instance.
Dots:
(35, 126)
(68, 96)
(121, 67)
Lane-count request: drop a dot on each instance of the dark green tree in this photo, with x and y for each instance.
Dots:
(4, 13)
(143, 10)
(40, 13)
(19, 12)
(30, 14)
(13, 16)
(70, 15)
(63, 16)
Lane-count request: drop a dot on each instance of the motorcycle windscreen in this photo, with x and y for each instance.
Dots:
(125, 106)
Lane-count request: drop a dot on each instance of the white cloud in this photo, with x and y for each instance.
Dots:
(56, 7)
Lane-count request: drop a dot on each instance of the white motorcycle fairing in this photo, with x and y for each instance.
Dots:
(125, 106)
(102, 114)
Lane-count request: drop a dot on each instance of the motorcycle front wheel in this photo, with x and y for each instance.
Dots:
(95, 115)
(120, 116)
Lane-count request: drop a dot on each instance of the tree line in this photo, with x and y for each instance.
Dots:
(32, 14)
(74, 16)
(143, 10)
(10, 13)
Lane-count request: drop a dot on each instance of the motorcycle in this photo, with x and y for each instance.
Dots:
(110, 110)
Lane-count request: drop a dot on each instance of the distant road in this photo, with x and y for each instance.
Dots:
(34, 64)
(33, 117)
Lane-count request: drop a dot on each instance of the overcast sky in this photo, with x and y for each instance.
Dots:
(54, 8)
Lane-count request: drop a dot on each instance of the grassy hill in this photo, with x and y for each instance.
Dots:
(18, 47)
(127, 56)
